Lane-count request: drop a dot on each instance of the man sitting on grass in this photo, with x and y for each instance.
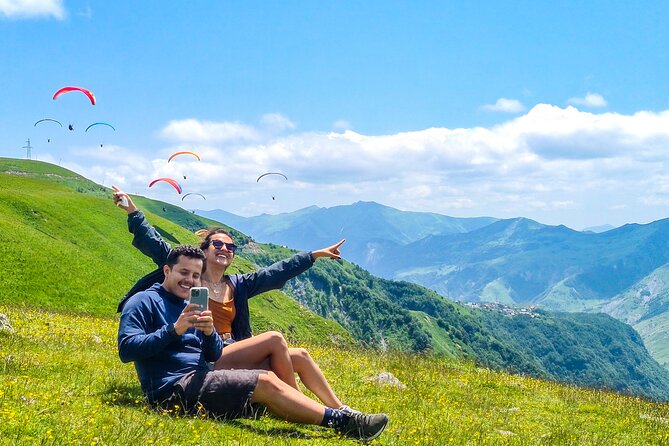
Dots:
(171, 344)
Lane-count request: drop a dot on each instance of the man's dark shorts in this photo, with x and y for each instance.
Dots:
(222, 393)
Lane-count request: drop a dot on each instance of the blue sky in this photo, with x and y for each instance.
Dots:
(555, 111)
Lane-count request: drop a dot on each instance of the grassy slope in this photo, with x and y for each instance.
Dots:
(61, 383)
(644, 306)
(655, 337)
(66, 247)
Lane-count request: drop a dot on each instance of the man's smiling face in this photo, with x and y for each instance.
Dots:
(184, 275)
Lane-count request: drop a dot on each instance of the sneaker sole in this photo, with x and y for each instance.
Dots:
(376, 434)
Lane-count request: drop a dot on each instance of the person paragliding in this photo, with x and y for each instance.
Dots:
(175, 154)
(70, 127)
(99, 124)
(271, 173)
(46, 120)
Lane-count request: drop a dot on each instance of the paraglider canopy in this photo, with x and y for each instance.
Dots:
(64, 90)
(174, 155)
(100, 123)
(192, 193)
(271, 173)
(168, 181)
(48, 119)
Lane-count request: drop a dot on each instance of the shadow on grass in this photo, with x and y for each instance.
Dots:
(123, 394)
(286, 432)
(166, 235)
(130, 395)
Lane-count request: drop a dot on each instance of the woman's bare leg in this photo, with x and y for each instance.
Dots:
(312, 377)
(265, 351)
(284, 401)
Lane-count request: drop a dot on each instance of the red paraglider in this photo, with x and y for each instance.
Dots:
(64, 90)
(168, 181)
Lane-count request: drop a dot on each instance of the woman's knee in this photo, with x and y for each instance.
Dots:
(300, 354)
(269, 382)
(300, 358)
(276, 339)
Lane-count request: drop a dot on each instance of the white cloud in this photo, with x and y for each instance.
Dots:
(505, 105)
(551, 164)
(277, 122)
(341, 124)
(22, 9)
(564, 204)
(192, 130)
(590, 100)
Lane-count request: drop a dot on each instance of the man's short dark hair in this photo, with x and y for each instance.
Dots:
(188, 251)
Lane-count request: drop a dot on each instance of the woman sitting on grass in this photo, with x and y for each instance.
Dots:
(228, 301)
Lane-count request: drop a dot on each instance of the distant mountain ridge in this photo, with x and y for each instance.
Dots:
(513, 261)
(534, 263)
(598, 229)
(367, 227)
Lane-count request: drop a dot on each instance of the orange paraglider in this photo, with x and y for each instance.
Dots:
(183, 153)
(168, 181)
(64, 90)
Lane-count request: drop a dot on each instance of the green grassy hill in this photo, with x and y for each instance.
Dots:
(66, 247)
(61, 383)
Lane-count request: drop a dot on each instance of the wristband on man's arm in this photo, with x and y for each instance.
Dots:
(171, 330)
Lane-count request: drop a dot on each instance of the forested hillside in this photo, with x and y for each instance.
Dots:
(587, 349)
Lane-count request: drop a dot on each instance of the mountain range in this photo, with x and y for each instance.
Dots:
(518, 262)
(366, 226)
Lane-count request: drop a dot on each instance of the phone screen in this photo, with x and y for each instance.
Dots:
(200, 295)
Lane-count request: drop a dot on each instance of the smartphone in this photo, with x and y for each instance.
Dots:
(200, 295)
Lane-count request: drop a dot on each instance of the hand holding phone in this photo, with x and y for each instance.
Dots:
(199, 295)
(121, 199)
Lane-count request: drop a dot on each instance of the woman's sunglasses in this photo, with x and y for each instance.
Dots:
(228, 246)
